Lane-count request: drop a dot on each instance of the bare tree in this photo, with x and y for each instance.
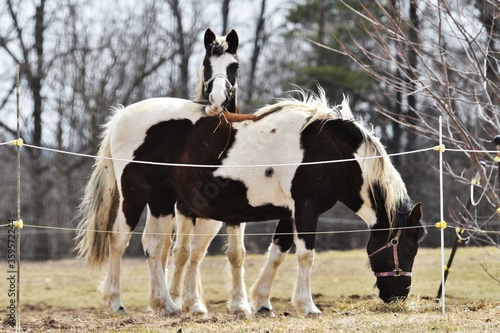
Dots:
(441, 59)
(260, 40)
(28, 50)
(185, 40)
(74, 66)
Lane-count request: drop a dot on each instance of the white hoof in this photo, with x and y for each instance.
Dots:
(113, 302)
(198, 309)
(240, 308)
(165, 308)
(310, 310)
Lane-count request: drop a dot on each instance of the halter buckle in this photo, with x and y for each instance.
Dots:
(397, 271)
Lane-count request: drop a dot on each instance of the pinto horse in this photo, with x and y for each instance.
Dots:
(290, 161)
(193, 239)
(216, 93)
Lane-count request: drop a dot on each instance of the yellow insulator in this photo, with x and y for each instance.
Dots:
(440, 148)
(441, 225)
(18, 142)
(18, 224)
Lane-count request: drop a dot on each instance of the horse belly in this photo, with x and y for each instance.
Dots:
(231, 209)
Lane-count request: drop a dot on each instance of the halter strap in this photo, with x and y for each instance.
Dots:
(397, 271)
(219, 75)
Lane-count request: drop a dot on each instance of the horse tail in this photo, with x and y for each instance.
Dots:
(99, 206)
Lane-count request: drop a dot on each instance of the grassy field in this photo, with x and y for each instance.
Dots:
(60, 296)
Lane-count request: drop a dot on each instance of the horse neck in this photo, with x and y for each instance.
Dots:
(232, 105)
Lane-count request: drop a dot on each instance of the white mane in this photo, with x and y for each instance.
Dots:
(383, 173)
(381, 170)
(315, 105)
(199, 85)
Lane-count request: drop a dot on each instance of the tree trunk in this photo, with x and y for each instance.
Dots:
(413, 40)
(225, 16)
(37, 75)
(259, 41)
(182, 51)
(492, 26)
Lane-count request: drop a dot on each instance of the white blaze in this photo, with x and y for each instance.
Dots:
(219, 92)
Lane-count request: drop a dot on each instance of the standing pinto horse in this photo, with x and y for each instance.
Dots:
(194, 237)
(98, 231)
(290, 161)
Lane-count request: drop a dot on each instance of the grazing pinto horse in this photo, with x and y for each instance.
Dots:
(216, 93)
(290, 161)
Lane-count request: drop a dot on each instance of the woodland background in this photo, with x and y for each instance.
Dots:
(401, 63)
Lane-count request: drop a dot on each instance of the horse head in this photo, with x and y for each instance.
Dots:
(219, 72)
(392, 252)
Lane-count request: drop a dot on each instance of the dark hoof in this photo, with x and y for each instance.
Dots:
(121, 310)
(266, 312)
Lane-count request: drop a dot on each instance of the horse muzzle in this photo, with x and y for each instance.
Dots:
(213, 110)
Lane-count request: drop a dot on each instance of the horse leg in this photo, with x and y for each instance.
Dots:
(109, 288)
(181, 250)
(279, 248)
(238, 299)
(204, 232)
(306, 221)
(168, 243)
(153, 240)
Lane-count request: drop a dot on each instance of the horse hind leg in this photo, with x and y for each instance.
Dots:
(203, 233)
(168, 244)
(109, 288)
(238, 300)
(153, 240)
(180, 254)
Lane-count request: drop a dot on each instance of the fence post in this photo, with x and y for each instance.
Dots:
(19, 221)
(442, 224)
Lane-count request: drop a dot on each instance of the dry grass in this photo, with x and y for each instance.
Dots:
(60, 296)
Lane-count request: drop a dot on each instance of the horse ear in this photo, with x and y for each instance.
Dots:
(232, 40)
(414, 221)
(415, 214)
(209, 39)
